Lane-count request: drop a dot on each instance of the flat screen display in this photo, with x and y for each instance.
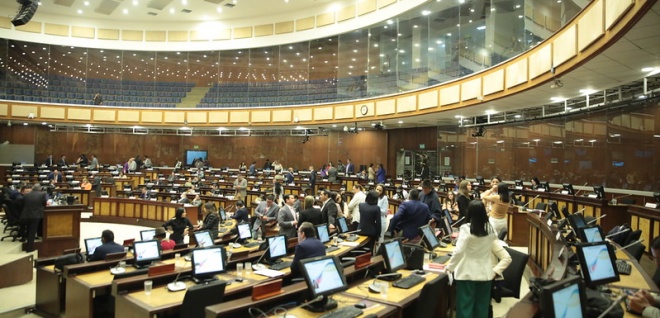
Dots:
(277, 246)
(394, 256)
(323, 275)
(147, 235)
(429, 237)
(343, 226)
(591, 234)
(191, 155)
(91, 244)
(322, 233)
(208, 261)
(597, 263)
(244, 231)
(147, 251)
(204, 239)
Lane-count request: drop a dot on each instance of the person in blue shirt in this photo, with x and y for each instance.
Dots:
(410, 216)
(241, 215)
(380, 174)
(308, 246)
(108, 247)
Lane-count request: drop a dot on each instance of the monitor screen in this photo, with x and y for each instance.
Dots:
(545, 186)
(577, 221)
(244, 231)
(322, 233)
(223, 215)
(146, 251)
(393, 255)
(428, 237)
(590, 234)
(191, 155)
(204, 239)
(147, 235)
(208, 261)
(91, 244)
(565, 298)
(446, 226)
(518, 183)
(568, 188)
(324, 275)
(276, 247)
(342, 225)
(597, 263)
(600, 191)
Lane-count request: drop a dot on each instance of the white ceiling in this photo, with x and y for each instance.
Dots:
(177, 10)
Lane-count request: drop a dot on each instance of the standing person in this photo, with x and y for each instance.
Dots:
(370, 223)
(332, 173)
(384, 205)
(286, 217)
(380, 173)
(240, 185)
(424, 172)
(62, 161)
(473, 265)
(350, 168)
(464, 198)
(34, 204)
(147, 162)
(430, 197)
(329, 209)
(179, 225)
(242, 167)
(308, 246)
(265, 212)
(278, 191)
(500, 206)
(310, 213)
(49, 161)
(98, 100)
(108, 247)
(312, 179)
(410, 216)
(267, 165)
(451, 205)
(354, 206)
(372, 173)
(253, 169)
(177, 164)
(94, 164)
(211, 219)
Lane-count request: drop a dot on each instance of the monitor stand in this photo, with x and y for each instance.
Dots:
(203, 280)
(323, 305)
(141, 265)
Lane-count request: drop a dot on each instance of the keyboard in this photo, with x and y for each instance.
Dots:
(441, 259)
(280, 266)
(623, 267)
(331, 249)
(223, 229)
(408, 282)
(344, 312)
(251, 244)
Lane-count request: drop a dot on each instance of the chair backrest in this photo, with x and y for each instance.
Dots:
(198, 297)
(502, 235)
(513, 274)
(427, 303)
(541, 206)
(632, 237)
(637, 250)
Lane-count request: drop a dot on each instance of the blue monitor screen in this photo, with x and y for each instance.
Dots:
(191, 155)
(322, 232)
(277, 246)
(91, 244)
(204, 239)
(324, 276)
(147, 235)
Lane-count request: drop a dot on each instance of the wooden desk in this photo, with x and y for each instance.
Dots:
(380, 309)
(61, 229)
(134, 211)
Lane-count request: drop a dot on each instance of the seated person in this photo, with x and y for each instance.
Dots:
(211, 219)
(145, 194)
(241, 215)
(165, 243)
(308, 246)
(108, 247)
(184, 198)
(86, 185)
(642, 301)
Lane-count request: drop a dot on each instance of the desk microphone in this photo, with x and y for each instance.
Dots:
(459, 220)
(613, 305)
(621, 196)
(176, 285)
(578, 191)
(580, 211)
(629, 245)
(257, 266)
(374, 287)
(613, 234)
(530, 201)
(596, 219)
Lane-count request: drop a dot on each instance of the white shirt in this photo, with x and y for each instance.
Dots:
(477, 258)
(354, 205)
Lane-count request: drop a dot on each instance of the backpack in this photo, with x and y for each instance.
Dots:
(68, 259)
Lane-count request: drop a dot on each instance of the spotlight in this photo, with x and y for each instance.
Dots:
(379, 126)
(556, 84)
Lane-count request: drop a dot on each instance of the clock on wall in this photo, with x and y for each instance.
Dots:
(364, 109)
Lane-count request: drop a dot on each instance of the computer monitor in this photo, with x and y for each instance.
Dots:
(480, 180)
(565, 298)
(518, 184)
(545, 186)
(392, 252)
(146, 252)
(322, 233)
(590, 234)
(91, 244)
(244, 231)
(428, 237)
(576, 220)
(276, 248)
(324, 276)
(223, 215)
(568, 189)
(342, 225)
(446, 226)
(599, 190)
(147, 235)
(207, 262)
(597, 263)
(204, 239)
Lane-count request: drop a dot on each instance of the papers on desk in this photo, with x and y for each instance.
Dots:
(433, 267)
(269, 273)
(350, 244)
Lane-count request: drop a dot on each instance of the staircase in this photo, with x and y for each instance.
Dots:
(193, 97)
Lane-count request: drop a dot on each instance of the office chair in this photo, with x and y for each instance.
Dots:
(637, 250)
(541, 206)
(632, 237)
(510, 286)
(13, 225)
(198, 297)
(502, 235)
(427, 303)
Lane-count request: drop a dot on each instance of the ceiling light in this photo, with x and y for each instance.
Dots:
(536, 140)
(558, 142)
(483, 27)
(579, 140)
(592, 140)
(400, 121)
(517, 116)
(647, 69)
(557, 99)
(426, 12)
(491, 112)
(587, 91)
(125, 11)
(500, 141)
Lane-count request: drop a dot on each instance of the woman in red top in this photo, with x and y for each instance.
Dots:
(165, 243)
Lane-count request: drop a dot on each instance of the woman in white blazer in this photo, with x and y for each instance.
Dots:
(477, 259)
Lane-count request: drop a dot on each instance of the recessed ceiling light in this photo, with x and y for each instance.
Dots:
(86, 3)
(517, 116)
(79, 11)
(536, 140)
(558, 142)
(587, 91)
(491, 112)
(400, 121)
(172, 10)
(647, 69)
(125, 11)
(557, 99)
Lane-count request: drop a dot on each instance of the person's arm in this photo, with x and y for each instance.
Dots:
(383, 204)
(491, 197)
(394, 222)
(459, 250)
(503, 256)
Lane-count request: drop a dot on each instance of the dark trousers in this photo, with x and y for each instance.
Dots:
(32, 227)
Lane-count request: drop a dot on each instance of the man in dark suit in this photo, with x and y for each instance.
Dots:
(49, 161)
(286, 217)
(329, 209)
(109, 246)
(424, 172)
(308, 246)
(430, 198)
(332, 173)
(55, 175)
(410, 216)
(312, 178)
(241, 215)
(62, 161)
(350, 168)
(34, 204)
(145, 194)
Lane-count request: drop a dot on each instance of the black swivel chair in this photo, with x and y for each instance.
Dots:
(636, 250)
(632, 237)
(198, 297)
(13, 222)
(541, 206)
(510, 286)
(427, 303)
(502, 235)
